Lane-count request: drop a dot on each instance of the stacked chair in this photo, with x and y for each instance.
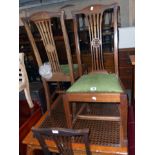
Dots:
(97, 87)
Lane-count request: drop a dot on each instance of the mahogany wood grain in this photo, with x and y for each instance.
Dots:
(93, 97)
(123, 116)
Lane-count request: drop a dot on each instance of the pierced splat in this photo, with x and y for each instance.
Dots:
(94, 16)
(44, 28)
(95, 34)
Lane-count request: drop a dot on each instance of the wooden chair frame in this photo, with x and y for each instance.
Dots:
(42, 21)
(88, 97)
(95, 28)
(68, 98)
(62, 138)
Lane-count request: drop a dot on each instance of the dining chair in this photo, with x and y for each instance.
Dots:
(60, 72)
(23, 80)
(63, 139)
(99, 85)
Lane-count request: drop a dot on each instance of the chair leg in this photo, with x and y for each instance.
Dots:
(67, 111)
(47, 95)
(29, 150)
(88, 108)
(28, 97)
(123, 116)
(74, 110)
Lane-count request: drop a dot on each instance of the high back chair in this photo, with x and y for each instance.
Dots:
(63, 139)
(23, 80)
(99, 85)
(60, 72)
(94, 17)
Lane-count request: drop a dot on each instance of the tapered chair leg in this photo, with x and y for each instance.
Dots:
(29, 151)
(123, 115)
(28, 97)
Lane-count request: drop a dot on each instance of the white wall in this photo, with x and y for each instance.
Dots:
(127, 37)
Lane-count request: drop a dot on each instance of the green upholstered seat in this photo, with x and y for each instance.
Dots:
(96, 83)
(65, 68)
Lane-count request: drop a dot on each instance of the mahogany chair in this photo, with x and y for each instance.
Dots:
(23, 80)
(61, 72)
(63, 139)
(99, 85)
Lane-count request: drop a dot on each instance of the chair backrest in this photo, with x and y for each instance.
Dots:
(23, 78)
(63, 139)
(42, 20)
(94, 17)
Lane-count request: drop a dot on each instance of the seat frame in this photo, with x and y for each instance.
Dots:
(115, 98)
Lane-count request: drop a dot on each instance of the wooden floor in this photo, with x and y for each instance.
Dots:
(26, 113)
(27, 118)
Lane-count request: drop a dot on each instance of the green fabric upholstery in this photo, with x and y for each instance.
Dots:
(65, 68)
(98, 82)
